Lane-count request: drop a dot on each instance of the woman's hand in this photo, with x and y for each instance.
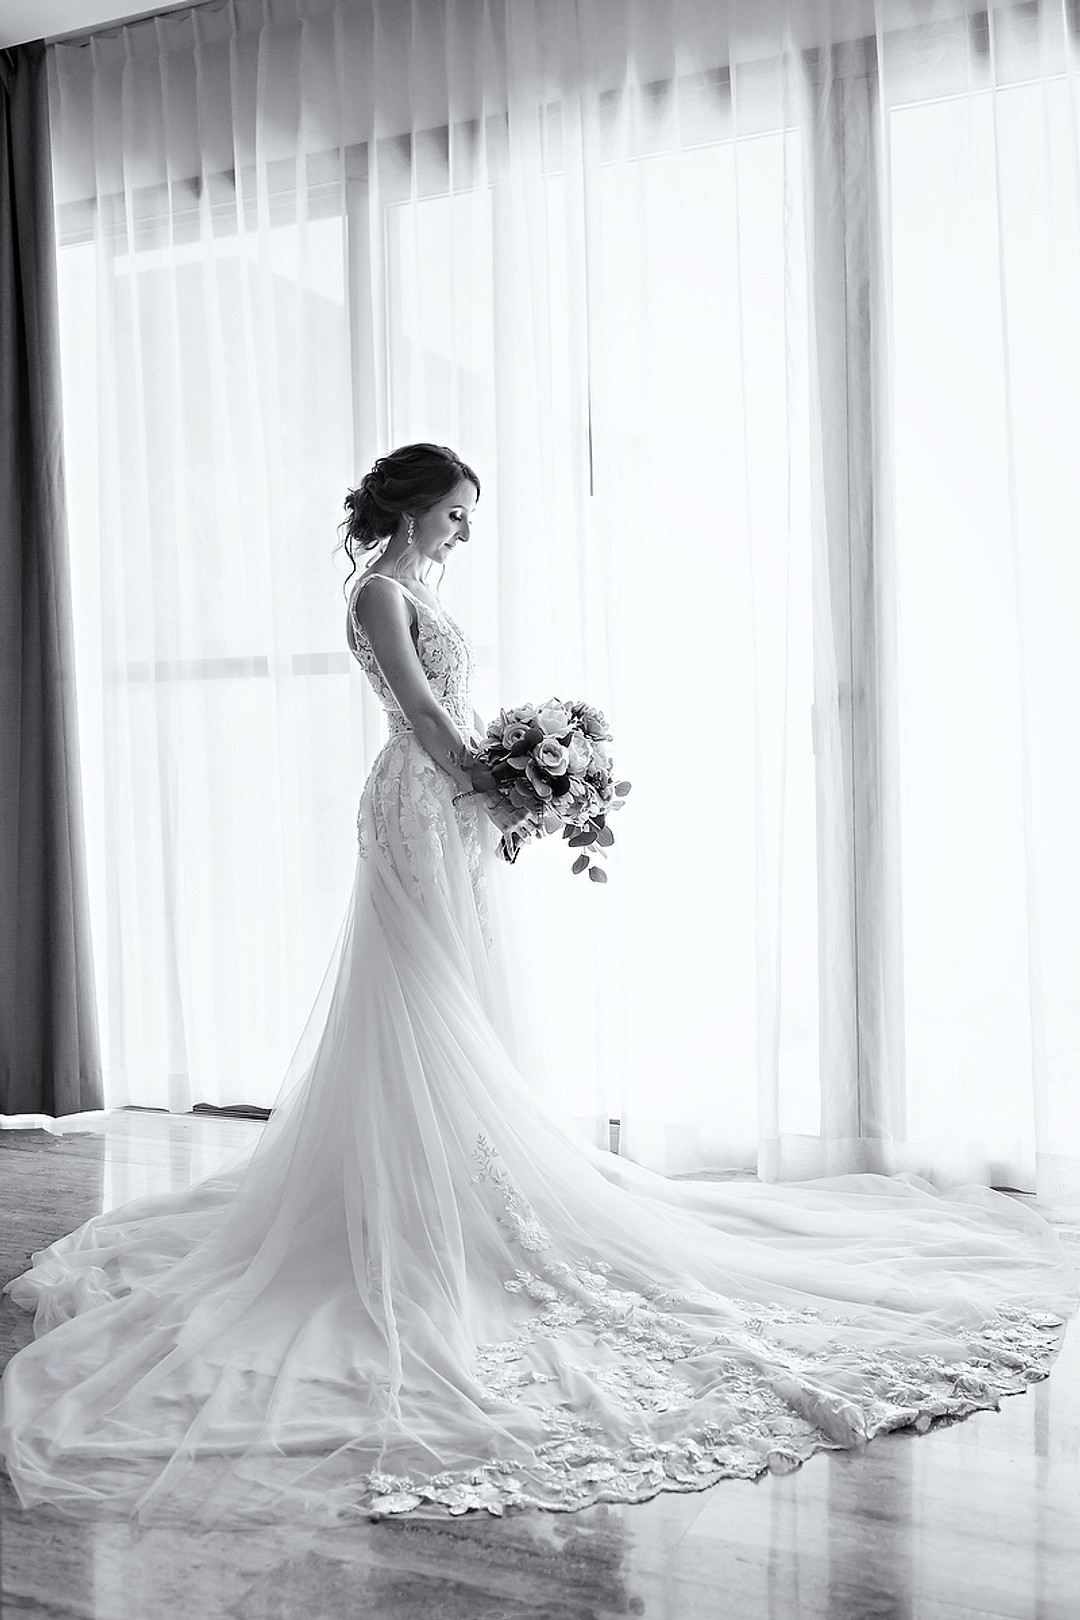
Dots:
(508, 818)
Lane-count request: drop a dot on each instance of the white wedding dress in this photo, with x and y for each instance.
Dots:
(417, 1294)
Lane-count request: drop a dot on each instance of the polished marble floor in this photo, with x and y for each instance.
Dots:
(978, 1519)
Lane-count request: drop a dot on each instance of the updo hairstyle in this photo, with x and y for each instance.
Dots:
(412, 479)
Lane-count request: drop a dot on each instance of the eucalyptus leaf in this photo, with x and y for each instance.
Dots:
(606, 837)
(597, 874)
(622, 789)
(580, 865)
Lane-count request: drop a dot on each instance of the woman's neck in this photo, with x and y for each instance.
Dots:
(396, 559)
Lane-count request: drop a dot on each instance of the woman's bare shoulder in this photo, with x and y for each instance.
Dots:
(378, 596)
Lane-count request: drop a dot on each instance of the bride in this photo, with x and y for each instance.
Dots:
(417, 1294)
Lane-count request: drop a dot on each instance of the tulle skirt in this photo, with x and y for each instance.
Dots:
(418, 1295)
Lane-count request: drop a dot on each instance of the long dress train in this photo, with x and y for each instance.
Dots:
(417, 1294)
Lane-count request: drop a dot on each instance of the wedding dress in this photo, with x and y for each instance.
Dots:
(417, 1294)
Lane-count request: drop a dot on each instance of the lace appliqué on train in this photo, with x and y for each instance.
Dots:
(766, 1408)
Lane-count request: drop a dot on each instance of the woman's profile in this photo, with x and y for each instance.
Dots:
(417, 1294)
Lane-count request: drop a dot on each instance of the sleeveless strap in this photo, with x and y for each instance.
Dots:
(362, 581)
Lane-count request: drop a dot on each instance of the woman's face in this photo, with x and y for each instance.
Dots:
(446, 524)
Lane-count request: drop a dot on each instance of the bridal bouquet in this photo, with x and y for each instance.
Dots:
(554, 761)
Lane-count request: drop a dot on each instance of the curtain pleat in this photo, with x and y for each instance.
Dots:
(49, 1060)
(861, 1088)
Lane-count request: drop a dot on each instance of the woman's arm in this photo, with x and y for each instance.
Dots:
(383, 611)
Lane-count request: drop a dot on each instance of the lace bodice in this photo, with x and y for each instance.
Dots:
(442, 648)
(407, 809)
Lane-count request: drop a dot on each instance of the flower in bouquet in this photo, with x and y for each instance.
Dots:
(553, 760)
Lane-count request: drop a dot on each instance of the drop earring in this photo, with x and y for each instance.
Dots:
(410, 541)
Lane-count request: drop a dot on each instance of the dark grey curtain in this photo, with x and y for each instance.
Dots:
(49, 1060)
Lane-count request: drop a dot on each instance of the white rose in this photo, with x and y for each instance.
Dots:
(552, 756)
(553, 719)
(579, 755)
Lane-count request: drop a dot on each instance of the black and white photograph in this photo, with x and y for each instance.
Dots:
(540, 809)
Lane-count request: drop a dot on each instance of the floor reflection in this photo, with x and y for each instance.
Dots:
(475, 1568)
(870, 1533)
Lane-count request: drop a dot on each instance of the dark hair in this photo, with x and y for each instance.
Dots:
(413, 478)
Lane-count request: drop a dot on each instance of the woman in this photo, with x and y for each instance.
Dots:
(417, 1294)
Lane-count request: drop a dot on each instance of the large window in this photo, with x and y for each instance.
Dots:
(766, 352)
(207, 427)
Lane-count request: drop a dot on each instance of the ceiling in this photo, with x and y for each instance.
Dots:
(21, 20)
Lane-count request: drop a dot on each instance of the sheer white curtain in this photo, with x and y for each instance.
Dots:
(682, 282)
(982, 164)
